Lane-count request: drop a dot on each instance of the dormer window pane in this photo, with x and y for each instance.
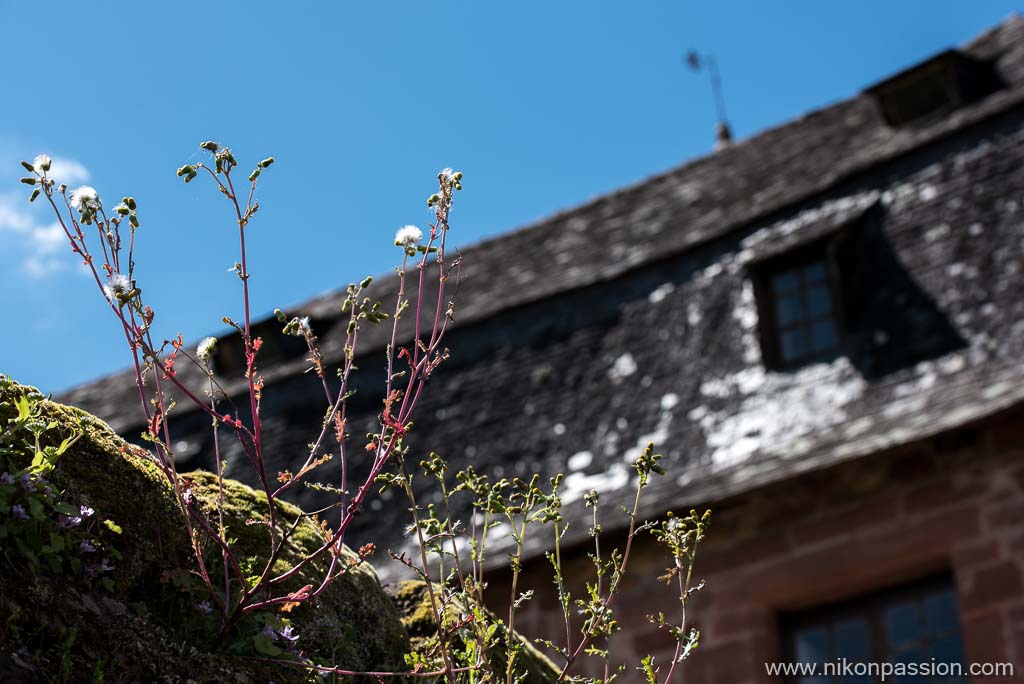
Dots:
(798, 303)
(794, 344)
(784, 282)
(818, 301)
(789, 310)
(815, 272)
(823, 335)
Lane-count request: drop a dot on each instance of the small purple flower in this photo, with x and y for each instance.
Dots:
(105, 566)
(7, 478)
(204, 607)
(86, 547)
(269, 632)
(18, 511)
(26, 482)
(48, 492)
(86, 511)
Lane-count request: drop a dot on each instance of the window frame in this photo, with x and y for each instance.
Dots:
(870, 607)
(769, 328)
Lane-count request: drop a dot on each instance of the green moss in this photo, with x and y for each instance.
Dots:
(62, 632)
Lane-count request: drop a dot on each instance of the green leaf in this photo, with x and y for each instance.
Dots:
(24, 411)
(112, 526)
(65, 508)
(56, 542)
(262, 643)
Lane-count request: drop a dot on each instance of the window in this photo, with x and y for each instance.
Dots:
(799, 308)
(938, 85)
(910, 624)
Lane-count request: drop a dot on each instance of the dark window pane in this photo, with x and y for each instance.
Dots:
(947, 651)
(794, 344)
(814, 273)
(902, 626)
(812, 646)
(823, 335)
(818, 300)
(851, 639)
(940, 613)
(785, 281)
(789, 310)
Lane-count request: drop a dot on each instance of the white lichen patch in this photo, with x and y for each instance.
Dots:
(693, 314)
(660, 293)
(939, 232)
(775, 410)
(580, 460)
(576, 485)
(623, 367)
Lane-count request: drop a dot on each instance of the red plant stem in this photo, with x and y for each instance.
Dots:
(220, 494)
(360, 673)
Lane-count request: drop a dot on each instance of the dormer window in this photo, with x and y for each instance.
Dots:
(945, 82)
(799, 307)
(804, 312)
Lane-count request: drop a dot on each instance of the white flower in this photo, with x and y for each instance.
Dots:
(117, 284)
(446, 174)
(42, 163)
(408, 236)
(84, 197)
(206, 348)
(304, 325)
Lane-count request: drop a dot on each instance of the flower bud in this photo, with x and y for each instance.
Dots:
(266, 162)
(254, 175)
(366, 282)
(32, 197)
(29, 181)
(279, 315)
(209, 145)
(130, 201)
(28, 167)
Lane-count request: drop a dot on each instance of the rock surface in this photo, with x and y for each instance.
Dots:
(61, 627)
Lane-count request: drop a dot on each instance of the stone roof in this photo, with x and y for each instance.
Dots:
(632, 318)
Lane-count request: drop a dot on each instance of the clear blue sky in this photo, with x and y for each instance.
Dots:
(542, 105)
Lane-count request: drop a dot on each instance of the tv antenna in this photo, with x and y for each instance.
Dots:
(698, 62)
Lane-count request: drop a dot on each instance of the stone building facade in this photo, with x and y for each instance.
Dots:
(821, 328)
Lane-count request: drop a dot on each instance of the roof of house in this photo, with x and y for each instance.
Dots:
(653, 276)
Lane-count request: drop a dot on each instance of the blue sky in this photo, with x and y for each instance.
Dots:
(542, 105)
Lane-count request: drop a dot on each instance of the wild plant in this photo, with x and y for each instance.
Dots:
(469, 643)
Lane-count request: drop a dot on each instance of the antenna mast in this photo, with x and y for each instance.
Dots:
(696, 62)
